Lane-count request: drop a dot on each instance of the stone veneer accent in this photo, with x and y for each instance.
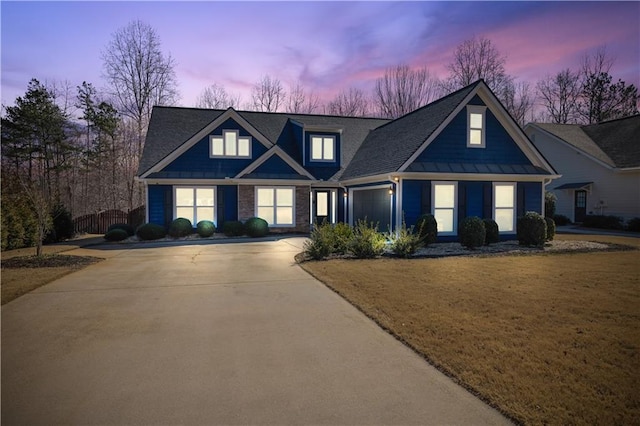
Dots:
(246, 207)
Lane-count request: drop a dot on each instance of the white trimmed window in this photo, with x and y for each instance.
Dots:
(195, 203)
(323, 148)
(504, 206)
(276, 205)
(444, 202)
(476, 126)
(230, 144)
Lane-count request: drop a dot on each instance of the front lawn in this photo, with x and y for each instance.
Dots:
(544, 338)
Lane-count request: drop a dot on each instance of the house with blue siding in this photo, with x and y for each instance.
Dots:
(462, 155)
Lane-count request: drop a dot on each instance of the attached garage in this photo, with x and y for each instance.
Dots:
(372, 204)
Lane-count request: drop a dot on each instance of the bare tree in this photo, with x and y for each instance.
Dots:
(351, 103)
(402, 90)
(519, 100)
(268, 95)
(559, 95)
(139, 74)
(301, 102)
(478, 58)
(216, 97)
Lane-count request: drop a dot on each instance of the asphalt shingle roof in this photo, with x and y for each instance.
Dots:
(388, 147)
(615, 143)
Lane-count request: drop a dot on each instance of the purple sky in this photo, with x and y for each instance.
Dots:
(326, 46)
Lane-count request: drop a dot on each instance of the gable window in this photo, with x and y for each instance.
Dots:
(476, 126)
(195, 203)
(504, 206)
(230, 144)
(275, 205)
(444, 206)
(323, 148)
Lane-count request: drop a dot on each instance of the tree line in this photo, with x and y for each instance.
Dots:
(75, 150)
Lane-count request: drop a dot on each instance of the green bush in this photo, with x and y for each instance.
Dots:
(427, 229)
(472, 232)
(634, 224)
(150, 231)
(180, 227)
(233, 228)
(321, 242)
(205, 228)
(549, 204)
(19, 227)
(124, 226)
(551, 228)
(256, 227)
(62, 222)
(561, 220)
(492, 235)
(405, 242)
(602, 222)
(116, 234)
(367, 242)
(341, 235)
(532, 230)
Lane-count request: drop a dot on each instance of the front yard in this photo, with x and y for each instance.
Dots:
(549, 338)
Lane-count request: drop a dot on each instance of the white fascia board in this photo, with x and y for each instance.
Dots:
(214, 182)
(275, 150)
(492, 177)
(229, 113)
(386, 177)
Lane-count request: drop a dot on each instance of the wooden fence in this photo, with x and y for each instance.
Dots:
(98, 223)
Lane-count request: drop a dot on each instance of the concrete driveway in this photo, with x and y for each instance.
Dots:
(211, 334)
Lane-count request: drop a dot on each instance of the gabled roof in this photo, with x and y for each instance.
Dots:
(388, 147)
(171, 127)
(614, 143)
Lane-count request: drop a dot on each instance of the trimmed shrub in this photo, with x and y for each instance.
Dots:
(472, 232)
(320, 243)
(180, 227)
(551, 228)
(532, 230)
(256, 227)
(405, 243)
(634, 224)
(205, 228)
(150, 231)
(367, 242)
(233, 228)
(549, 204)
(116, 234)
(561, 220)
(427, 229)
(124, 226)
(341, 235)
(62, 225)
(492, 234)
(602, 222)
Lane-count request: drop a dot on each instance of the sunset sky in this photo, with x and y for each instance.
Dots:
(326, 46)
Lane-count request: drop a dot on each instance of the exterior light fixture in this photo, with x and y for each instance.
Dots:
(345, 194)
(390, 189)
(396, 178)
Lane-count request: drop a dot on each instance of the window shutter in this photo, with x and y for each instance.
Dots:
(220, 207)
(487, 200)
(426, 198)
(520, 207)
(462, 201)
(168, 206)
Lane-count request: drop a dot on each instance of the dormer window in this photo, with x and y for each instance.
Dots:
(323, 148)
(476, 126)
(230, 144)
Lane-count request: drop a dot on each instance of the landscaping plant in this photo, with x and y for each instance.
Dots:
(256, 227)
(180, 227)
(561, 220)
(233, 228)
(634, 224)
(532, 230)
(405, 242)
(367, 242)
(321, 242)
(602, 222)
(150, 231)
(116, 234)
(124, 226)
(551, 228)
(472, 232)
(492, 232)
(62, 225)
(205, 228)
(427, 229)
(341, 235)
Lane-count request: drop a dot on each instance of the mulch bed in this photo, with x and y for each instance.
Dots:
(49, 261)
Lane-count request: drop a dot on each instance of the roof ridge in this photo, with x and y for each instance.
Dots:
(611, 120)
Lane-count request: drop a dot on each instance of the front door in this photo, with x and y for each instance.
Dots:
(580, 205)
(323, 206)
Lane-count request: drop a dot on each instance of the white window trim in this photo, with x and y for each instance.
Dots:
(224, 145)
(324, 137)
(293, 207)
(455, 204)
(514, 208)
(194, 187)
(477, 109)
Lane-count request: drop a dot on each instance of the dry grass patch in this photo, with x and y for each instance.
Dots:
(545, 338)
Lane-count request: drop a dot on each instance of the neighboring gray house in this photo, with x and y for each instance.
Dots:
(599, 164)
